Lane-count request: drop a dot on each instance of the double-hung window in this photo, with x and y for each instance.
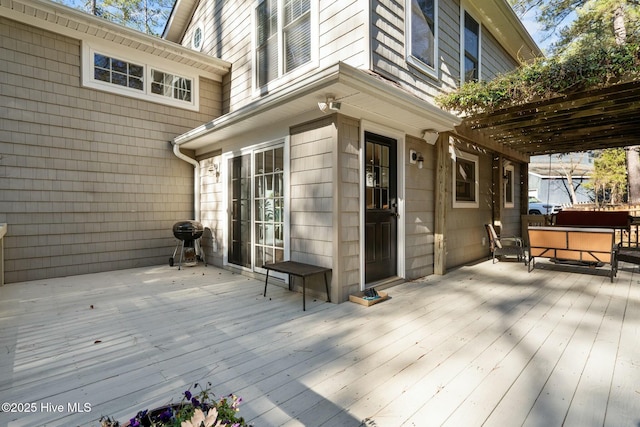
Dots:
(283, 38)
(422, 36)
(471, 49)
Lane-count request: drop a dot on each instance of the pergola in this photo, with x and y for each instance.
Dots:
(594, 119)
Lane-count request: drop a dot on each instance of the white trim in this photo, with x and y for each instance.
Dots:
(464, 9)
(400, 137)
(283, 78)
(148, 63)
(412, 60)
(283, 142)
(512, 169)
(474, 159)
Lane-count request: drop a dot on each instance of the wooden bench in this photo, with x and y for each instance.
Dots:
(583, 245)
(293, 268)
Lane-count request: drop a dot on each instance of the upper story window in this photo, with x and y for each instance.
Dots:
(283, 37)
(422, 35)
(465, 178)
(171, 86)
(118, 72)
(471, 49)
(197, 38)
(115, 72)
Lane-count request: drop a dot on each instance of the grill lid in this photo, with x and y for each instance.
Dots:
(188, 230)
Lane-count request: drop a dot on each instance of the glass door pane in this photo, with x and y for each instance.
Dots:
(240, 211)
(269, 206)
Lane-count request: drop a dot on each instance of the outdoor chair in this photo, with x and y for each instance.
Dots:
(505, 246)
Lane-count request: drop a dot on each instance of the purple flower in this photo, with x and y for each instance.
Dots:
(195, 402)
(166, 415)
(187, 395)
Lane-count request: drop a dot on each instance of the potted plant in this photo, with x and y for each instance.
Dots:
(194, 410)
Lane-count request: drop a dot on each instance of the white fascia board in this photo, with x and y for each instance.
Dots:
(339, 73)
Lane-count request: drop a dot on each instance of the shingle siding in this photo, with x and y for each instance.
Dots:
(89, 182)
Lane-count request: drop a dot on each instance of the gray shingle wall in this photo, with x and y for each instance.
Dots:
(88, 181)
(312, 197)
(419, 216)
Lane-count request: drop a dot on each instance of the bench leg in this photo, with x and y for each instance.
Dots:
(532, 264)
(265, 284)
(326, 285)
(304, 293)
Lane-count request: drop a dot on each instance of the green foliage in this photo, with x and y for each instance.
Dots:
(609, 177)
(547, 78)
(577, 24)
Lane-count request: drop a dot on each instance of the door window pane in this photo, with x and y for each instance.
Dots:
(269, 221)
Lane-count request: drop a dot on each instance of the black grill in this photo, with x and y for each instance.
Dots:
(188, 233)
(188, 230)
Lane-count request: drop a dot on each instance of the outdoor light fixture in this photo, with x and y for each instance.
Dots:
(214, 169)
(329, 104)
(416, 158)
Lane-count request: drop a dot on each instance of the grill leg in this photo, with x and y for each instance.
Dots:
(181, 254)
(200, 251)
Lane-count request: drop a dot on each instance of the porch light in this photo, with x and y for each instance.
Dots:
(416, 157)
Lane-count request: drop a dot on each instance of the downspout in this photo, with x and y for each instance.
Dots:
(196, 178)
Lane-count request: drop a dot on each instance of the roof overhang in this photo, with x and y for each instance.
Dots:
(73, 23)
(505, 26)
(362, 95)
(590, 120)
(179, 19)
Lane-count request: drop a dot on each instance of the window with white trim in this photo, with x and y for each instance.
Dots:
(283, 37)
(118, 72)
(170, 85)
(138, 78)
(256, 199)
(509, 186)
(471, 49)
(465, 180)
(197, 38)
(422, 34)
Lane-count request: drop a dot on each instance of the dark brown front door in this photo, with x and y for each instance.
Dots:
(381, 208)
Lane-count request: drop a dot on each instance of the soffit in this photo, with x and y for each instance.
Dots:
(500, 19)
(362, 95)
(179, 19)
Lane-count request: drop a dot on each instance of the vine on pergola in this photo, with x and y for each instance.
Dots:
(546, 78)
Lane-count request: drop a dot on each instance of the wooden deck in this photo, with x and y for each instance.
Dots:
(486, 345)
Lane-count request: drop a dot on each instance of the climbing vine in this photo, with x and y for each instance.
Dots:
(547, 78)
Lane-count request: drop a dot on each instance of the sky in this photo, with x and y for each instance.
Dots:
(530, 23)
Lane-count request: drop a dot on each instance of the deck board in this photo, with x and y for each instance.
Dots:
(489, 344)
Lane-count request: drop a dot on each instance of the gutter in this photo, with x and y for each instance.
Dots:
(196, 178)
